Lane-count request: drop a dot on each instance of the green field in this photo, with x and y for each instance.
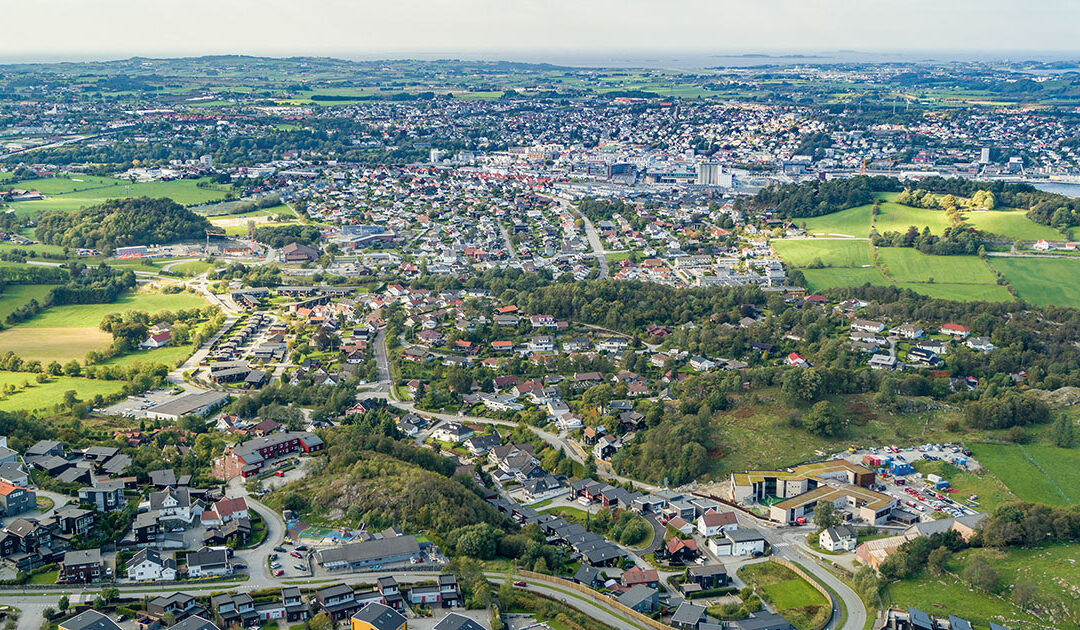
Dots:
(69, 194)
(1043, 474)
(894, 217)
(45, 395)
(904, 264)
(90, 315)
(191, 267)
(169, 355)
(831, 253)
(851, 222)
(1042, 280)
(792, 597)
(820, 279)
(1052, 569)
(16, 295)
(68, 332)
(960, 292)
(1012, 224)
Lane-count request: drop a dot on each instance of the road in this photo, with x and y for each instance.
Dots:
(591, 234)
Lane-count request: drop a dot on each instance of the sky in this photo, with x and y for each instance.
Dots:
(536, 30)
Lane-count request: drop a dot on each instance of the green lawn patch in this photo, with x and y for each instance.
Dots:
(1011, 224)
(791, 596)
(1043, 474)
(171, 356)
(851, 222)
(45, 395)
(1042, 280)
(904, 264)
(831, 253)
(17, 295)
(894, 217)
(821, 279)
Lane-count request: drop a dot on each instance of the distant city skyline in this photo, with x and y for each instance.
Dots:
(687, 32)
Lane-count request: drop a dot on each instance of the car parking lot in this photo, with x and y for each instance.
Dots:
(914, 492)
(136, 406)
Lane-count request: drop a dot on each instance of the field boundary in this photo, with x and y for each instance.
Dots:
(1038, 467)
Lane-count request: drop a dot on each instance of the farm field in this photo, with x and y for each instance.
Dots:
(960, 292)
(851, 222)
(831, 253)
(820, 279)
(1039, 280)
(1044, 474)
(62, 333)
(904, 264)
(1012, 224)
(16, 295)
(79, 315)
(894, 217)
(69, 194)
(45, 395)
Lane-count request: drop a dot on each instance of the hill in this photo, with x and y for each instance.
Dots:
(120, 222)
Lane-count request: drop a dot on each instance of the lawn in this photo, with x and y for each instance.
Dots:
(831, 253)
(904, 264)
(792, 597)
(820, 279)
(45, 395)
(894, 217)
(1012, 224)
(851, 222)
(191, 267)
(48, 577)
(1040, 280)
(16, 295)
(1044, 474)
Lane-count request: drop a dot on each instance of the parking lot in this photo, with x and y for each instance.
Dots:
(915, 493)
(136, 406)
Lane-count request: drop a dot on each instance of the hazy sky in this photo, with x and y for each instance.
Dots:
(76, 29)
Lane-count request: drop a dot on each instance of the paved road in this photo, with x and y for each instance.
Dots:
(591, 234)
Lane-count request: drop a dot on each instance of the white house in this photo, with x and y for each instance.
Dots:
(839, 538)
(173, 504)
(208, 562)
(713, 523)
(866, 325)
(980, 343)
(745, 541)
(907, 331)
(157, 340)
(147, 565)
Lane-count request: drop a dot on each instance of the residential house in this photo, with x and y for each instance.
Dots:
(376, 616)
(148, 565)
(80, 567)
(643, 599)
(714, 523)
(839, 538)
(207, 562)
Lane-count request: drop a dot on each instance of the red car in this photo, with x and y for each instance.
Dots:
(519, 583)
(279, 573)
(296, 555)
(278, 473)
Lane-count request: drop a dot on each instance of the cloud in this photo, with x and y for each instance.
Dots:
(527, 28)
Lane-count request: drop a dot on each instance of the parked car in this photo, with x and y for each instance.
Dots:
(519, 583)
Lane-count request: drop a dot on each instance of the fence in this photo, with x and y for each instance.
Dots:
(598, 597)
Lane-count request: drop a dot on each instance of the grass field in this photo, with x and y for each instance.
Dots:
(1012, 224)
(46, 395)
(1053, 569)
(894, 217)
(169, 355)
(820, 279)
(16, 295)
(851, 222)
(68, 332)
(831, 253)
(191, 267)
(904, 264)
(960, 292)
(1040, 280)
(1044, 474)
(792, 597)
(71, 194)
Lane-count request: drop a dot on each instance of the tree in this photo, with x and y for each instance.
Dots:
(822, 420)
(1062, 433)
(826, 515)
(1025, 594)
(63, 603)
(981, 575)
(321, 621)
(935, 562)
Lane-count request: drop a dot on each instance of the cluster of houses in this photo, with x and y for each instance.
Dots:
(876, 339)
(229, 354)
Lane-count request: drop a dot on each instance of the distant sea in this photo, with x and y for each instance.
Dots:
(1061, 188)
